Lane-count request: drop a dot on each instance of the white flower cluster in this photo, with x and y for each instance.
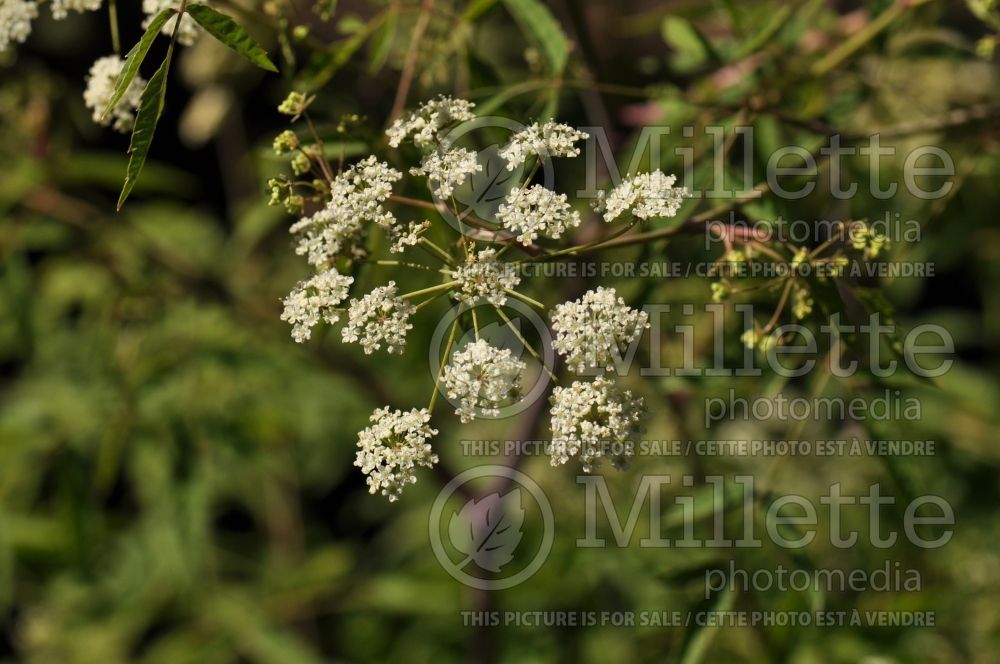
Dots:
(483, 277)
(591, 331)
(380, 317)
(315, 299)
(402, 238)
(187, 32)
(15, 21)
(425, 123)
(100, 88)
(593, 420)
(356, 196)
(536, 211)
(481, 378)
(446, 170)
(392, 447)
(61, 8)
(551, 139)
(646, 195)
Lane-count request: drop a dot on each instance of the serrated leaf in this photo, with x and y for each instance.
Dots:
(537, 21)
(488, 531)
(230, 33)
(150, 109)
(134, 58)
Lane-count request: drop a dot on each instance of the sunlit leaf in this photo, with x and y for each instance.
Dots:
(150, 109)
(230, 33)
(135, 57)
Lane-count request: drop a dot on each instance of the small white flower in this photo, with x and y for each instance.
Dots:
(392, 447)
(646, 195)
(593, 420)
(188, 31)
(61, 8)
(15, 21)
(483, 277)
(100, 88)
(425, 123)
(537, 211)
(481, 378)
(591, 331)
(551, 139)
(380, 317)
(356, 196)
(447, 170)
(315, 299)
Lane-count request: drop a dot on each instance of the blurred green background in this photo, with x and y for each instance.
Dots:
(176, 480)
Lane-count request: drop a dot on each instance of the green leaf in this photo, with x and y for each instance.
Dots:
(150, 108)
(535, 19)
(690, 46)
(135, 57)
(230, 33)
(382, 43)
(329, 64)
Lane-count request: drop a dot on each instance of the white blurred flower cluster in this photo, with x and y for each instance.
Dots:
(101, 87)
(187, 32)
(15, 21)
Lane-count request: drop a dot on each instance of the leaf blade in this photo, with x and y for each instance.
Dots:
(134, 58)
(150, 109)
(232, 34)
(536, 19)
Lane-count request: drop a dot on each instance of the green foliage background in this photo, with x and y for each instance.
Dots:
(175, 473)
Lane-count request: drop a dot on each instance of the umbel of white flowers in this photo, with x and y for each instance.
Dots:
(593, 420)
(588, 417)
(101, 87)
(481, 378)
(592, 331)
(483, 277)
(392, 447)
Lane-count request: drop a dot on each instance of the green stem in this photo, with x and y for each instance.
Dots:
(444, 360)
(433, 289)
(525, 298)
(113, 18)
(527, 346)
